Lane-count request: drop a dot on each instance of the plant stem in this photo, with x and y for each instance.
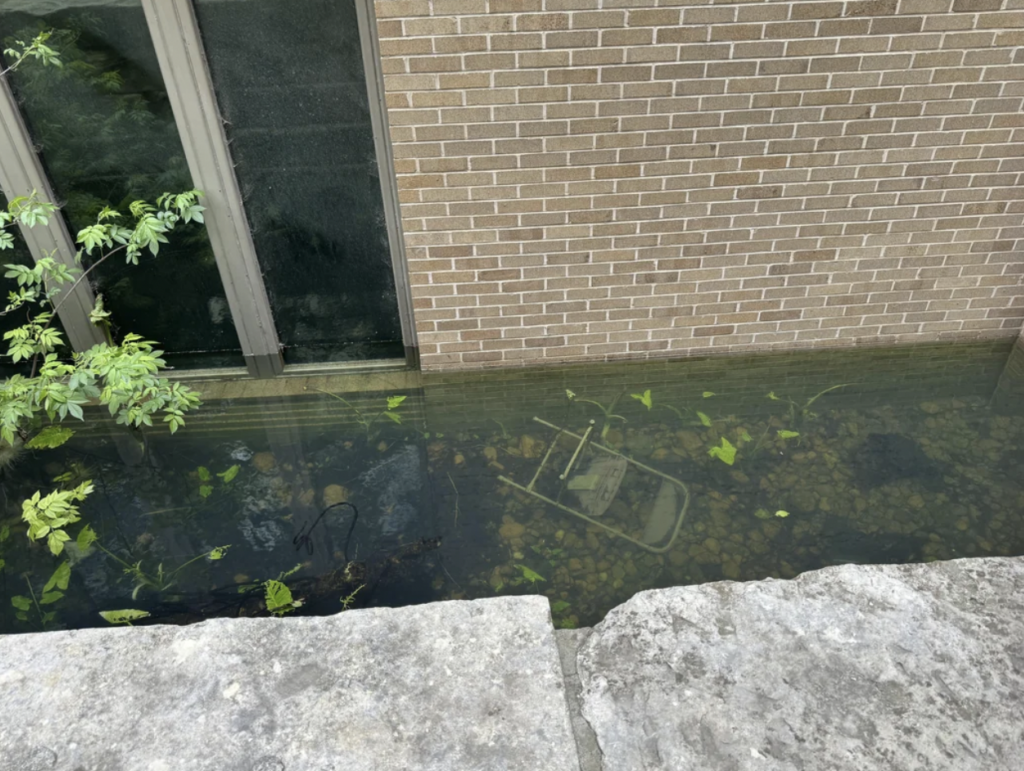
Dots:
(456, 522)
(65, 294)
(35, 602)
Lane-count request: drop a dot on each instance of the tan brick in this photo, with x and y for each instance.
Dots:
(800, 175)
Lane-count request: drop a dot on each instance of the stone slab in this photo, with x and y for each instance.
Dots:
(447, 686)
(844, 669)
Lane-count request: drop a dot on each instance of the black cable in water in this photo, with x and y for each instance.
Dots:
(304, 536)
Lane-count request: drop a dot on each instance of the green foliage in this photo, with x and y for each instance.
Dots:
(47, 516)
(86, 538)
(227, 476)
(608, 412)
(796, 410)
(161, 580)
(206, 486)
(279, 598)
(37, 49)
(346, 601)
(530, 575)
(49, 438)
(367, 420)
(123, 616)
(783, 434)
(121, 376)
(725, 452)
(560, 606)
(704, 419)
(644, 398)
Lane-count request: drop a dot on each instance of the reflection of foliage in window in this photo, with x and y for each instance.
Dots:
(108, 137)
(98, 117)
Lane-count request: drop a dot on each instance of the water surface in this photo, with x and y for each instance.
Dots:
(908, 454)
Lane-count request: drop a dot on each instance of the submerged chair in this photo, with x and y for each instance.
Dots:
(599, 485)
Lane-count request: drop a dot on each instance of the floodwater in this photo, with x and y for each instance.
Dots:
(725, 468)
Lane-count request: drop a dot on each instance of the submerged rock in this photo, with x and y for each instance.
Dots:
(333, 494)
(264, 462)
(884, 458)
(510, 529)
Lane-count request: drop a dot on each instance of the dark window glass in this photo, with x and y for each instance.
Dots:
(290, 82)
(107, 137)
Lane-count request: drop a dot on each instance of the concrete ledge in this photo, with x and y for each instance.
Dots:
(850, 668)
(854, 668)
(454, 685)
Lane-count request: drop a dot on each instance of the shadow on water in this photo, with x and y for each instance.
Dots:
(916, 457)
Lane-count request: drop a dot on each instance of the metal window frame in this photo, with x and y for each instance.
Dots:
(370, 46)
(21, 174)
(179, 48)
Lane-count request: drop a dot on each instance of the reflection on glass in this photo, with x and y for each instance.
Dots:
(108, 137)
(290, 82)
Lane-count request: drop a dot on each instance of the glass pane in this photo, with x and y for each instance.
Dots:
(289, 79)
(108, 137)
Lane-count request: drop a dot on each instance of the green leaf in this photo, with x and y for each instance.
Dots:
(745, 436)
(85, 538)
(644, 398)
(60, 577)
(2, 563)
(5, 533)
(560, 607)
(230, 474)
(773, 397)
(530, 575)
(570, 395)
(99, 315)
(704, 419)
(55, 540)
(782, 513)
(279, 597)
(708, 394)
(204, 474)
(49, 598)
(123, 616)
(205, 491)
(725, 453)
(49, 438)
(395, 417)
(21, 603)
(394, 401)
(218, 553)
(787, 434)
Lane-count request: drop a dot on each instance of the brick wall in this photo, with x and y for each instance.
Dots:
(597, 179)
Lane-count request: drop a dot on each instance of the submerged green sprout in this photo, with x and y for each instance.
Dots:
(644, 398)
(123, 616)
(726, 452)
(530, 575)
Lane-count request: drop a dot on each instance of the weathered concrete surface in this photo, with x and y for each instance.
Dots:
(452, 686)
(848, 668)
(569, 641)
